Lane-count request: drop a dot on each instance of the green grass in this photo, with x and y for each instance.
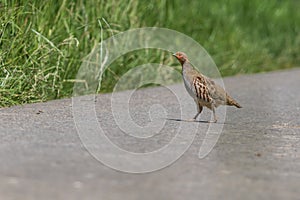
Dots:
(43, 43)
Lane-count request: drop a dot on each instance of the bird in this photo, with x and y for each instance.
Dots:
(204, 91)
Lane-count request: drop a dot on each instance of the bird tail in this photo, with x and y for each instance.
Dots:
(232, 102)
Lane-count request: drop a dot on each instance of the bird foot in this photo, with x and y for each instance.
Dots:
(191, 120)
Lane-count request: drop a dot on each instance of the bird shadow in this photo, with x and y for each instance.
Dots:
(196, 121)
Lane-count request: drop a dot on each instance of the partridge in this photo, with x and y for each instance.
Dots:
(202, 89)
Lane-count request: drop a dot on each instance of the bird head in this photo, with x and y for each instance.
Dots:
(182, 57)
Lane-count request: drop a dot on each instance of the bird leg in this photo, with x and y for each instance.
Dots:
(194, 118)
(214, 113)
(200, 108)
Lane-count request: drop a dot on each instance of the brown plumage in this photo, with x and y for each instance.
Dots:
(202, 89)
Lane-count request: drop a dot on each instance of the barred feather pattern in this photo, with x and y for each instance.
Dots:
(201, 89)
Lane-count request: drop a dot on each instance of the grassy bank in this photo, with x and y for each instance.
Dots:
(42, 43)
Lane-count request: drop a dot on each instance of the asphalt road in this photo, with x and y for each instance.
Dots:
(257, 155)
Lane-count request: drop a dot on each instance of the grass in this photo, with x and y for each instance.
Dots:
(42, 43)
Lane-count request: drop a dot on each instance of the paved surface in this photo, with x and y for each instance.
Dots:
(256, 157)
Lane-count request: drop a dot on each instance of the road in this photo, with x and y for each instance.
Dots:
(257, 155)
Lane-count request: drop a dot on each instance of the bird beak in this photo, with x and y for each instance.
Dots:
(174, 54)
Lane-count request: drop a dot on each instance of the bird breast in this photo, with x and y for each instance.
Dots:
(189, 86)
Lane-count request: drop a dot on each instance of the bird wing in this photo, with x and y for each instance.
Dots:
(207, 90)
(201, 89)
(216, 92)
